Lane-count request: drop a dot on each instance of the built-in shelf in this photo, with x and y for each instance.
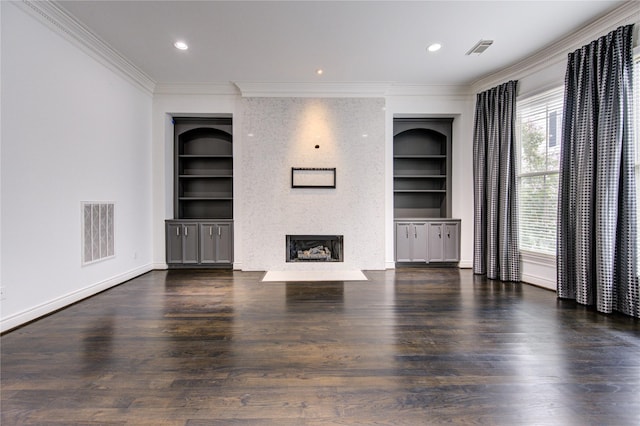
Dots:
(205, 156)
(421, 190)
(206, 176)
(414, 176)
(420, 156)
(203, 168)
(422, 168)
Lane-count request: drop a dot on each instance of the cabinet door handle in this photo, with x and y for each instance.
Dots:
(186, 231)
(407, 229)
(177, 231)
(415, 232)
(439, 235)
(219, 231)
(210, 230)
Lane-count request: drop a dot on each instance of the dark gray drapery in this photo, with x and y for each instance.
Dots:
(596, 200)
(494, 175)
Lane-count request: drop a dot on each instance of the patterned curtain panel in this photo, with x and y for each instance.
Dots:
(596, 201)
(494, 171)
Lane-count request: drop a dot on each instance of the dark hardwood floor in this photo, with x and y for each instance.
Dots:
(408, 347)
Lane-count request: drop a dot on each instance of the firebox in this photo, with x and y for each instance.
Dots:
(314, 248)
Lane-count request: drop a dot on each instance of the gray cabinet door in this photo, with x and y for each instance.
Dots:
(224, 248)
(403, 242)
(419, 242)
(435, 242)
(174, 243)
(208, 240)
(444, 242)
(451, 245)
(411, 242)
(216, 243)
(190, 243)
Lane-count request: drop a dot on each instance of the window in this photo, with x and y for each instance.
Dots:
(539, 136)
(636, 95)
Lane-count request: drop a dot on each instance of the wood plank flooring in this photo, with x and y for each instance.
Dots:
(408, 347)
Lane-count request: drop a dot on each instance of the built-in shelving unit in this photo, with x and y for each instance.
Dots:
(201, 232)
(203, 168)
(422, 168)
(425, 232)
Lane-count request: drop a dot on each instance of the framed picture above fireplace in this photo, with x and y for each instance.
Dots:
(313, 177)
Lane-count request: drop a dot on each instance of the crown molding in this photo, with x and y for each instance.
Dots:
(431, 90)
(312, 90)
(196, 89)
(627, 13)
(350, 90)
(55, 17)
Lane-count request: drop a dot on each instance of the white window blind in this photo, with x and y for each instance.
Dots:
(636, 95)
(539, 137)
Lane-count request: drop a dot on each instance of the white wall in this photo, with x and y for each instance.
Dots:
(73, 130)
(284, 133)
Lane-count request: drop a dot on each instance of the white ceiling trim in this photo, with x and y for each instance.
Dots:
(431, 90)
(312, 90)
(628, 13)
(196, 89)
(270, 89)
(56, 18)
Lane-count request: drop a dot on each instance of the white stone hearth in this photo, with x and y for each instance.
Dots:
(283, 276)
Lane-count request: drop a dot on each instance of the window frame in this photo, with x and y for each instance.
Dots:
(556, 96)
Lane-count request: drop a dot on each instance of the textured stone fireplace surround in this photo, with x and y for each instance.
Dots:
(281, 133)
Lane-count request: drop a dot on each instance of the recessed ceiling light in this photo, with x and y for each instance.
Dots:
(181, 45)
(319, 71)
(434, 47)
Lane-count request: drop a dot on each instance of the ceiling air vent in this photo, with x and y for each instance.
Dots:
(480, 47)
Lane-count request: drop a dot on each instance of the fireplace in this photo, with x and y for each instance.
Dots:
(314, 248)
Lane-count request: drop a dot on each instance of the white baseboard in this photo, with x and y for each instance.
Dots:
(159, 266)
(43, 309)
(540, 281)
(465, 264)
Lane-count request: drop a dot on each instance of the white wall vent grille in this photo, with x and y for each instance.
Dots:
(97, 231)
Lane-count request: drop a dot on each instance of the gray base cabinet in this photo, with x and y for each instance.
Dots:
(411, 242)
(216, 243)
(444, 242)
(194, 243)
(430, 241)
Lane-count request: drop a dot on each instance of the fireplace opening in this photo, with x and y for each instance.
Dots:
(314, 248)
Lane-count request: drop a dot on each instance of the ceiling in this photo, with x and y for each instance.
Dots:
(352, 41)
